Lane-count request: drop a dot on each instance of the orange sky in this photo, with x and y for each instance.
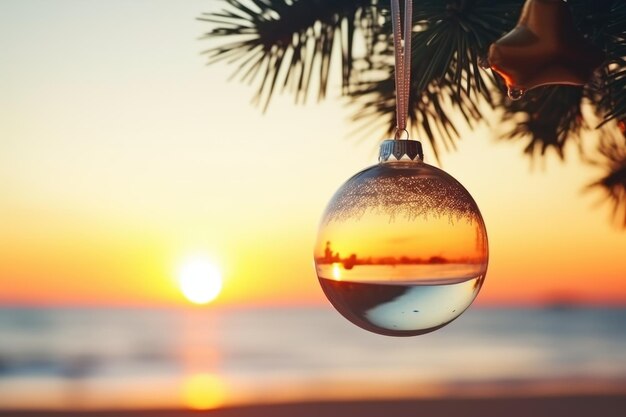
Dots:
(122, 154)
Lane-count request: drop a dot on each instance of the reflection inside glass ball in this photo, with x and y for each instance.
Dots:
(402, 249)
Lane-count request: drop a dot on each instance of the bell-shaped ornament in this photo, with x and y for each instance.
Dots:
(544, 48)
(402, 247)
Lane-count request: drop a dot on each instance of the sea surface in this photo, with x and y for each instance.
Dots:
(201, 358)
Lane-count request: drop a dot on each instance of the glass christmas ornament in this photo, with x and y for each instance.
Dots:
(402, 247)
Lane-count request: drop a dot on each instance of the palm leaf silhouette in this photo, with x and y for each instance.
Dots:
(290, 45)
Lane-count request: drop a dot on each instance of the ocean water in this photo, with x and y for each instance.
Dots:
(126, 358)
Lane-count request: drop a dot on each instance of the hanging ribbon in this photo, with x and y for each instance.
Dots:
(403, 61)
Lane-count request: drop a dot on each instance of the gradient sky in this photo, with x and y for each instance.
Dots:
(122, 154)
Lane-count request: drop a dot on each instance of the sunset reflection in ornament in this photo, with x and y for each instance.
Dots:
(402, 247)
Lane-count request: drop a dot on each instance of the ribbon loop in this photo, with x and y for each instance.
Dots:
(403, 60)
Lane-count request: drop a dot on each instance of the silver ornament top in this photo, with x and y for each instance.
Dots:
(400, 150)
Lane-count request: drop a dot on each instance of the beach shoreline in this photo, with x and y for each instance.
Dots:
(518, 406)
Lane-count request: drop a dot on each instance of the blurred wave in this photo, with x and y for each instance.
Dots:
(100, 357)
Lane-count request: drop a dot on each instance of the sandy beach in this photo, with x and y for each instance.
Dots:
(553, 406)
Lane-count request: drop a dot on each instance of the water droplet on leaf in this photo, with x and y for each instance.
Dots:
(516, 93)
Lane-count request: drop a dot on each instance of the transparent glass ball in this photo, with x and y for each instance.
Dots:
(402, 247)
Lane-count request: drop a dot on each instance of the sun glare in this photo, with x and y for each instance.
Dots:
(203, 392)
(336, 272)
(200, 281)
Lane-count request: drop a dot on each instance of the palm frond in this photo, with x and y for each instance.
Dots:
(288, 41)
(446, 78)
(610, 97)
(551, 117)
(430, 109)
(612, 150)
(290, 45)
(452, 35)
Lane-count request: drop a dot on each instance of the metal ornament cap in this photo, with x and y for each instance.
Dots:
(400, 150)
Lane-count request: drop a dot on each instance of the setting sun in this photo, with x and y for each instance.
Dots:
(200, 281)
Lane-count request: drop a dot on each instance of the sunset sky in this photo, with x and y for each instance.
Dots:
(122, 155)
